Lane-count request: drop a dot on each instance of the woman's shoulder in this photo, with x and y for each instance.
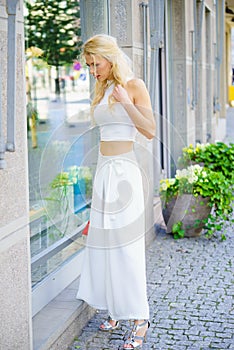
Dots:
(135, 83)
(136, 88)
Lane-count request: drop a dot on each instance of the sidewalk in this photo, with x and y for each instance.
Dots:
(190, 290)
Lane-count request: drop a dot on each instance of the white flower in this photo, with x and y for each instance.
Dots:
(192, 179)
(202, 146)
(171, 181)
(164, 186)
(196, 167)
(181, 173)
(178, 174)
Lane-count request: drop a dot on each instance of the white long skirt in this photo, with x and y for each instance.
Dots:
(113, 274)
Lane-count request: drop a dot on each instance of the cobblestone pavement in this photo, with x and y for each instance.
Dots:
(191, 292)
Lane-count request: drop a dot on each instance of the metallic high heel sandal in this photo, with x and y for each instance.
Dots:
(133, 337)
(107, 326)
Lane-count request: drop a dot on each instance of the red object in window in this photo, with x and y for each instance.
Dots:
(86, 229)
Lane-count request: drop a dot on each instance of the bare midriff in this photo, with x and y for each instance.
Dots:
(113, 148)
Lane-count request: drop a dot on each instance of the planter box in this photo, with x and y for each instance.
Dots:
(189, 210)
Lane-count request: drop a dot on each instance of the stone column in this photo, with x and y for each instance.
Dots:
(15, 291)
(201, 110)
(127, 26)
(94, 18)
(209, 25)
(178, 88)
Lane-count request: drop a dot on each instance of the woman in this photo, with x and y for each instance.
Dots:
(113, 275)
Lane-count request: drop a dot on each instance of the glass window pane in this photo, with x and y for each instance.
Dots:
(61, 155)
(62, 146)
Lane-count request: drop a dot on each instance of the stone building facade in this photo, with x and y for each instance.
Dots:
(15, 291)
(195, 100)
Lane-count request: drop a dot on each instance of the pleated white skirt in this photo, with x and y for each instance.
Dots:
(113, 274)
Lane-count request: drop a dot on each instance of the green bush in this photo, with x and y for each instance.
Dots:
(214, 179)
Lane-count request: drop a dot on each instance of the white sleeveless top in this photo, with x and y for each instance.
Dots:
(114, 122)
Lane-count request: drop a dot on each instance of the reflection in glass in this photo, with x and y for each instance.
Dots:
(60, 171)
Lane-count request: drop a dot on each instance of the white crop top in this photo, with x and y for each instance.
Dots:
(114, 122)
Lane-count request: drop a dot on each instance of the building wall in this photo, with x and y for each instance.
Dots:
(192, 73)
(225, 82)
(227, 66)
(179, 65)
(15, 292)
(127, 27)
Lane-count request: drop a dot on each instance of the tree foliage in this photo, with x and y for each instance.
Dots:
(54, 27)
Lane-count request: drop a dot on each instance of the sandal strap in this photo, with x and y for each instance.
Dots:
(133, 343)
(108, 326)
(138, 337)
(133, 336)
(142, 324)
(110, 319)
(138, 326)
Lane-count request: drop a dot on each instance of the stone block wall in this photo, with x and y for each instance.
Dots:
(15, 291)
(191, 33)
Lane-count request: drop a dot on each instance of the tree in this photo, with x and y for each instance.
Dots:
(54, 27)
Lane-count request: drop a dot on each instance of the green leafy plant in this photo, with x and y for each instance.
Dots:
(177, 230)
(62, 180)
(201, 181)
(60, 201)
(76, 173)
(218, 157)
(72, 177)
(62, 186)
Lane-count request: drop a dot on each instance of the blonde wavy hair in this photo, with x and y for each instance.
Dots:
(106, 46)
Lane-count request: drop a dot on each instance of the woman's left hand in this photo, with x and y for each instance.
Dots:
(136, 101)
(121, 95)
